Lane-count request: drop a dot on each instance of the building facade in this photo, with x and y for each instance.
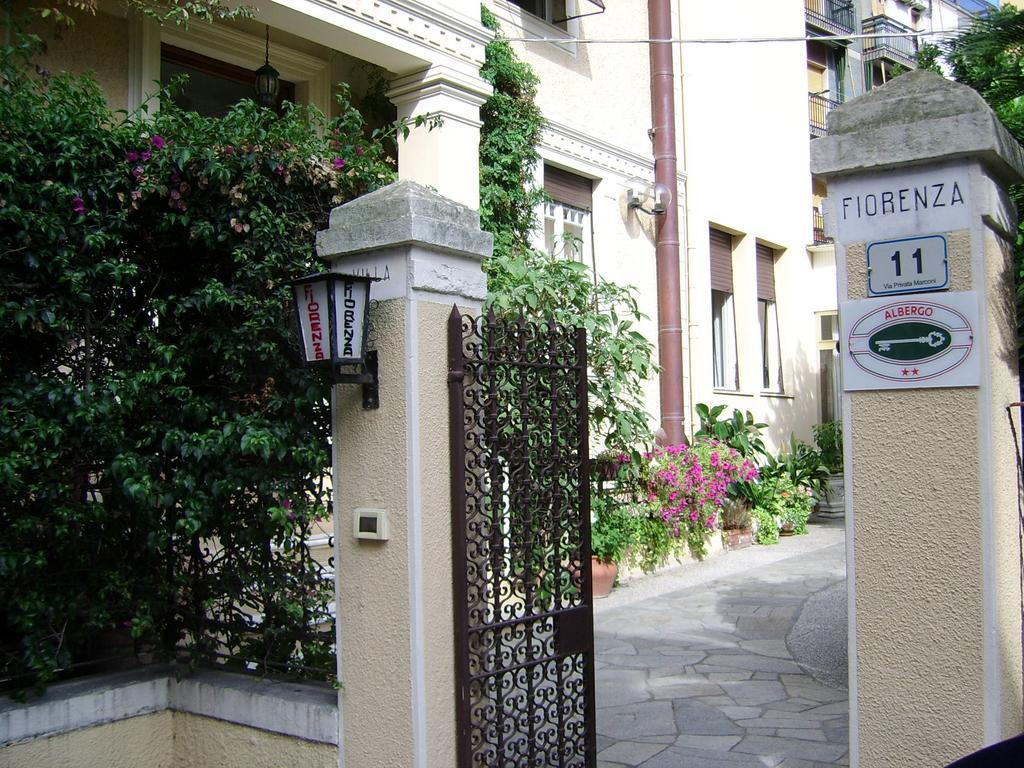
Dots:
(757, 273)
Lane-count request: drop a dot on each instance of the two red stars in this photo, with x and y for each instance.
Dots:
(909, 372)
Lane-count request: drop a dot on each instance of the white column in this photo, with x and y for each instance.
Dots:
(445, 158)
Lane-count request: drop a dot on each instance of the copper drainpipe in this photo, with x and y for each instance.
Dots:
(670, 324)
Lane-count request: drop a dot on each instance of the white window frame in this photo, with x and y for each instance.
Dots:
(771, 348)
(534, 26)
(558, 219)
(830, 345)
(724, 367)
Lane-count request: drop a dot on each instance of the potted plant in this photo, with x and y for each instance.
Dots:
(829, 439)
(611, 535)
(736, 520)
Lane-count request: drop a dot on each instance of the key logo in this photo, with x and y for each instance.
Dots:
(910, 341)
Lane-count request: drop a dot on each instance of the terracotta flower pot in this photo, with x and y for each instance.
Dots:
(603, 574)
(738, 538)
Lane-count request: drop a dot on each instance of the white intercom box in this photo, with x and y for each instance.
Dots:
(370, 524)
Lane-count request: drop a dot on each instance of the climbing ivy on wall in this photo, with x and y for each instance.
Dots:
(524, 280)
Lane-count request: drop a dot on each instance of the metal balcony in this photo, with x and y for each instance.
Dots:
(818, 108)
(833, 17)
(899, 50)
(818, 222)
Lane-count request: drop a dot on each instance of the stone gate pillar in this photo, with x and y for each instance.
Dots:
(395, 607)
(917, 173)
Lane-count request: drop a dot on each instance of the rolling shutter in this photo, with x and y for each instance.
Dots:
(721, 261)
(568, 188)
(765, 273)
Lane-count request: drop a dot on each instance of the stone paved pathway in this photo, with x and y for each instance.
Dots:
(703, 676)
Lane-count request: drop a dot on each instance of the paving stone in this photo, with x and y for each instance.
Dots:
(653, 718)
(778, 747)
(741, 713)
(680, 757)
(837, 708)
(754, 663)
(754, 692)
(778, 722)
(696, 718)
(729, 676)
(793, 762)
(807, 734)
(681, 687)
(615, 687)
(710, 743)
(630, 752)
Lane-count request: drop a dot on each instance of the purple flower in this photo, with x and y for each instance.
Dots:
(339, 163)
(146, 155)
(78, 206)
(131, 157)
(360, 151)
(287, 504)
(157, 141)
(137, 172)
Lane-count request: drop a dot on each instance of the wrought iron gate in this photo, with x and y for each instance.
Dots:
(521, 544)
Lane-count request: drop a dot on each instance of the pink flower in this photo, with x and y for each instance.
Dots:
(78, 206)
(360, 151)
(338, 163)
(157, 141)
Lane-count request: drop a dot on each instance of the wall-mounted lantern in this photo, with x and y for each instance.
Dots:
(638, 192)
(333, 313)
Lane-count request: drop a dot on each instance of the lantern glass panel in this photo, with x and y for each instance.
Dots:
(314, 315)
(351, 300)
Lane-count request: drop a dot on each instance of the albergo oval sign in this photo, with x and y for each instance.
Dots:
(905, 342)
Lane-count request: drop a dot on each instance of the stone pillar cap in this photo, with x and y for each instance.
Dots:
(918, 117)
(399, 214)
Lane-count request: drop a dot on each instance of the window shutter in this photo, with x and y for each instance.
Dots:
(721, 261)
(568, 188)
(765, 273)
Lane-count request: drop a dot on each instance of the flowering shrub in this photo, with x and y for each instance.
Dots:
(150, 406)
(688, 486)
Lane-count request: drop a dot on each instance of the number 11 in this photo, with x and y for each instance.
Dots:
(916, 256)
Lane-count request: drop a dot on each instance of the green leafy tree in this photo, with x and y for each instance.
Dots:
(178, 12)
(989, 57)
(161, 457)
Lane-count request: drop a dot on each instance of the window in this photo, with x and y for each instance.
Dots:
(828, 364)
(551, 11)
(768, 318)
(723, 315)
(567, 216)
(213, 86)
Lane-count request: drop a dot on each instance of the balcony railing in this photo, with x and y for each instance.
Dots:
(834, 17)
(901, 50)
(818, 222)
(818, 108)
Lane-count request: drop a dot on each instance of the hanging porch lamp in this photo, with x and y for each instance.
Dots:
(268, 80)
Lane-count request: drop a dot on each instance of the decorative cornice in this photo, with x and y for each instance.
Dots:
(585, 151)
(444, 30)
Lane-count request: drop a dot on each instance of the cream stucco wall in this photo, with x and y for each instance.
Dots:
(373, 577)
(747, 156)
(202, 742)
(169, 740)
(139, 741)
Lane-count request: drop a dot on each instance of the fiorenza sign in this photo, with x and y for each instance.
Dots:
(902, 343)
